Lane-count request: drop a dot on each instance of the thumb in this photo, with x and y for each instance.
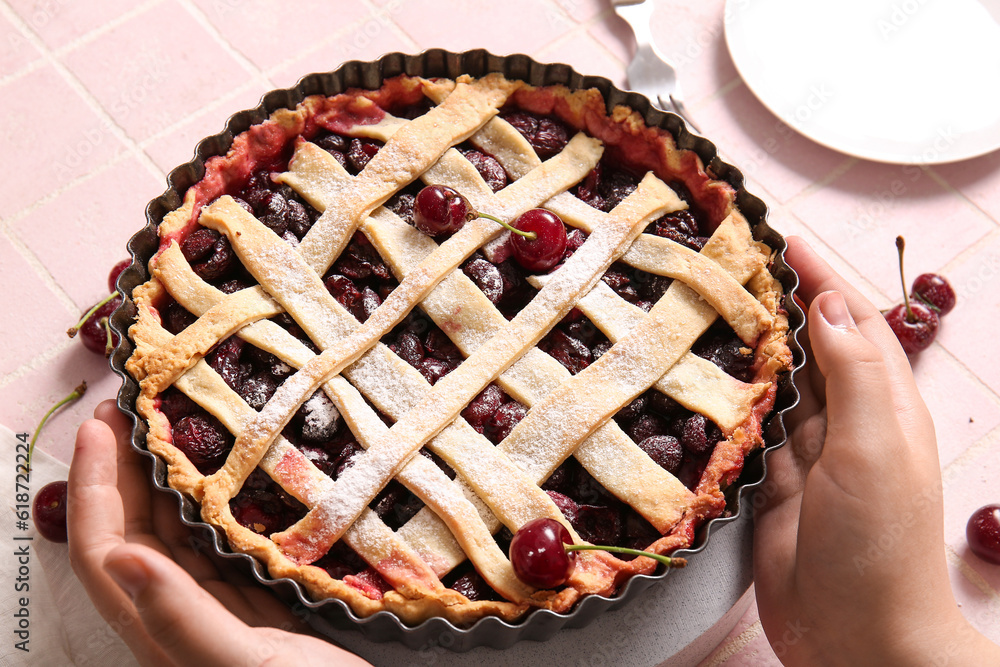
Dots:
(187, 623)
(860, 391)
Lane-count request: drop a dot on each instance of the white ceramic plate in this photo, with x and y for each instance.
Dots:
(903, 81)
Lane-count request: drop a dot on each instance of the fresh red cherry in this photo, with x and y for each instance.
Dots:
(914, 324)
(983, 533)
(545, 248)
(935, 291)
(915, 330)
(95, 332)
(49, 511)
(538, 555)
(543, 554)
(116, 271)
(93, 327)
(440, 210)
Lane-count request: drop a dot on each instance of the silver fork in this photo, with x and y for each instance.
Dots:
(650, 72)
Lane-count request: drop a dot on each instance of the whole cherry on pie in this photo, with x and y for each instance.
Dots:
(439, 210)
(538, 555)
(544, 250)
(983, 533)
(544, 556)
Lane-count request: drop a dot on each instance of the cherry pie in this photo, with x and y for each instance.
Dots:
(371, 411)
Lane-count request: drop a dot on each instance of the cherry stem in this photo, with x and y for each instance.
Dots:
(900, 246)
(72, 331)
(666, 560)
(75, 394)
(531, 236)
(109, 345)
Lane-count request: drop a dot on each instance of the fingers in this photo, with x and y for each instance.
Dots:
(95, 517)
(863, 430)
(96, 524)
(133, 478)
(184, 620)
(817, 277)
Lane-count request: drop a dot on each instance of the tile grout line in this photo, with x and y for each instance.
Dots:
(836, 172)
(337, 36)
(37, 362)
(718, 94)
(969, 573)
(120, 156)
(970, 374)
(116, 130)
(584, 27)
(971, 452)
(38, 268)
(245, 62)
(202, 112)
(32, 66)
(860, 279)
(979, 244)
(950, 188)
(97, 32)
(734, 646)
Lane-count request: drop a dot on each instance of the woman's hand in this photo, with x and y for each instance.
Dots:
(849, 559)
(149, 580)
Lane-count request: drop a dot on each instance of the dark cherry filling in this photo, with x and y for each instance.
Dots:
(675, 438)
(341, 561)
(263, 506)
(546, 135)
(198, 434)
(470, 583)
(359, 280)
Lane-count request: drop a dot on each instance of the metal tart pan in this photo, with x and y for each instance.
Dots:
(331, 617)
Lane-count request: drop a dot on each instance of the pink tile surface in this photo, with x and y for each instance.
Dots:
(982, 610)
(16, 50)
(690, 34)
(101, 235)
(582, 10)
(763, 146)
(373, 39)
(516, 26)
(963, 409)
(24, 400)
(35, 319)
(977, 180)
(169, 72)
(861, 212)
(173, 68)
(967, 489)
(587, 55)
(52, 136)
(59, 23)
(175, 144)
(973, 323)
(287, 35)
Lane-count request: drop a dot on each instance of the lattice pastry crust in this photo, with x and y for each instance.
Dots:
(568, 415)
